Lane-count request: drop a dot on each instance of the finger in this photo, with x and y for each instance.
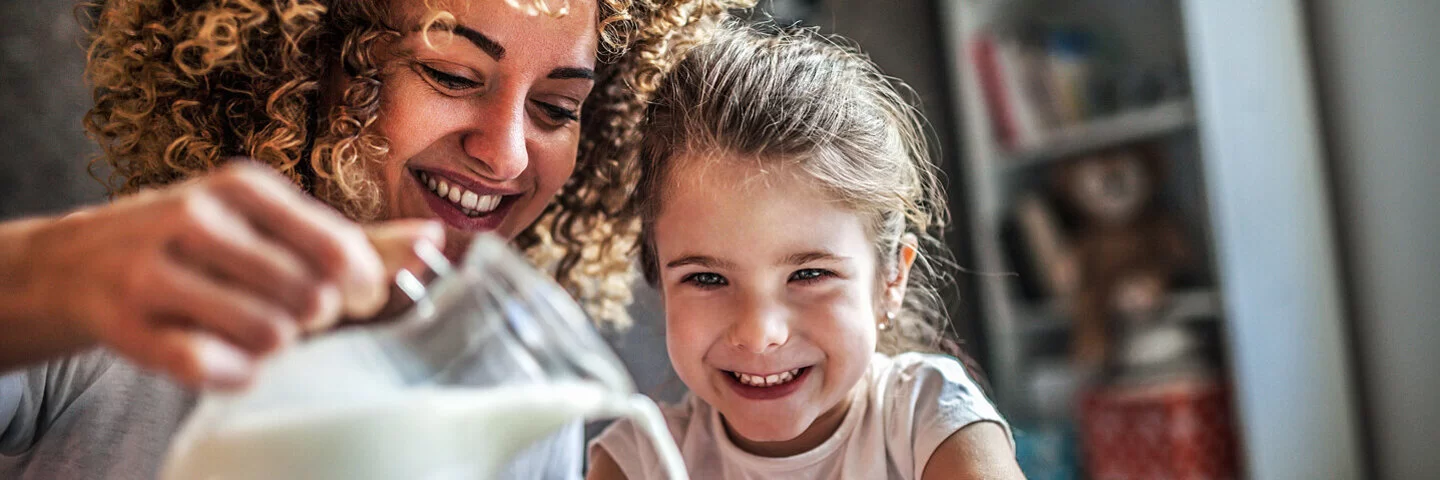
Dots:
(224, 367)
(396, 303)
(335, 247)
(396, 241)
(219, 241)
(329, 310)
(192, 358)
(234, 314)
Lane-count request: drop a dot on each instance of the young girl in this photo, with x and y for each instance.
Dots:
(787, 203)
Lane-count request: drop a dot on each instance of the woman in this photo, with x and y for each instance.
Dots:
(472, 113)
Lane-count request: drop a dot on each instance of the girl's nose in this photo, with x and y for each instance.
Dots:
(761, 330)
(497, 140)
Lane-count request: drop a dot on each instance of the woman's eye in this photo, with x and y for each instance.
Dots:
(557, 114)
(810, 275)
(447, 80)
(705, 280)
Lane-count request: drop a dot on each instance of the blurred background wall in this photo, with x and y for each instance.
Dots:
(1378, 67)
(43, 149)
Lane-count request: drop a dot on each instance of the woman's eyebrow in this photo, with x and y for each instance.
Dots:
(564, 73)
(497, 51)
(484, 43)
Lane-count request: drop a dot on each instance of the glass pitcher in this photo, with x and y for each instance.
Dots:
(492, 357)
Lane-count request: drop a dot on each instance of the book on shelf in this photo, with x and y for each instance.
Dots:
(1045, 86)
(1015, 97)
(993, 84)
(1028, 91)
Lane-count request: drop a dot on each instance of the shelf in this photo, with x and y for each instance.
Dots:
(1044, 317)
(1116, 130)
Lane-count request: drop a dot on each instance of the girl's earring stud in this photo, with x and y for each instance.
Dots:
(885, 325)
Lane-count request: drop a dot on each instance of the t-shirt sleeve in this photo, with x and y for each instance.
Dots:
(17, 412)
(630, 450)
(33, 398)
(930, 397)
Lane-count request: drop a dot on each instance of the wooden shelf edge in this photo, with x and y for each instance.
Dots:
(1118, 129)
(1045, 317)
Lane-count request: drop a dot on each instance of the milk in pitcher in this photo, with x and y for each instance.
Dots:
(430, 433)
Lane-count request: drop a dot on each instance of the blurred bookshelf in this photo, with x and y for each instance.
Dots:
(1123, 128)
(1042, 88)
(1048, 317)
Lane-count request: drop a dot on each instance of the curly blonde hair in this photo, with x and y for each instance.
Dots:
(180, 86)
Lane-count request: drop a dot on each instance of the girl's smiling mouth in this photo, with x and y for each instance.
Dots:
(766, 386)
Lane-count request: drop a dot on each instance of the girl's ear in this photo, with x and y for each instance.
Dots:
(895, 287)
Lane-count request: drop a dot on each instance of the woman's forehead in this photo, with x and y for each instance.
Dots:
(576, 18)
(507, 32)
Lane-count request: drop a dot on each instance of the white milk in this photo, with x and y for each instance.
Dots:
(430, 433)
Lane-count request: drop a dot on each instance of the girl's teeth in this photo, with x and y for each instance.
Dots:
(469, 200)
(444, 189)
(455, 195)
(766, 381)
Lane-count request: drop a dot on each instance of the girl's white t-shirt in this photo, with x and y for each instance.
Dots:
(906, 407)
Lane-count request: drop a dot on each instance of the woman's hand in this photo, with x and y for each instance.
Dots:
(197, 280)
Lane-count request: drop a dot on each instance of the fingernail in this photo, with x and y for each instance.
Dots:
(369, 294)
(327, 312)
(226, 367)
(434, 232)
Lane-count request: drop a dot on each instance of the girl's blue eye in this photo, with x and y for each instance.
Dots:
(705, 280)
(810, 275)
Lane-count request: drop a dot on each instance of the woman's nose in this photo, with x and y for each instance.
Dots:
(496, 140)
(761, 329)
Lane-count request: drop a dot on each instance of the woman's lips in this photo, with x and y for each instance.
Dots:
(460, 193)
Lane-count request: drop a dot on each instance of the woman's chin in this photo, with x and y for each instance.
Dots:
(457, 242)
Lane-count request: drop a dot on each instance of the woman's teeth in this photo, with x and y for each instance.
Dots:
(469, 203)
(766, 380)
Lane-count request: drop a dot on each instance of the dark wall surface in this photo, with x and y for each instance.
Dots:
(43, 148)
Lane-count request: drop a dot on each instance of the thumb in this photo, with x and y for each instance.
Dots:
(396, 240)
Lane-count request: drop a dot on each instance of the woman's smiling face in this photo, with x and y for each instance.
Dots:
(483, 125)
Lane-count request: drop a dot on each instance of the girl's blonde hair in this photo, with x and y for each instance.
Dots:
(181, 85)
(798, 99)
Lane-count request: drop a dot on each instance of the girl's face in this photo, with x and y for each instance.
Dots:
(483, 127)
(772, 293)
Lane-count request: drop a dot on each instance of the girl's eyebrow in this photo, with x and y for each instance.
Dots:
(701, 260)
(807, 257)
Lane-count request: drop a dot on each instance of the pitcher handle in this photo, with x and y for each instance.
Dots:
(411, 285)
